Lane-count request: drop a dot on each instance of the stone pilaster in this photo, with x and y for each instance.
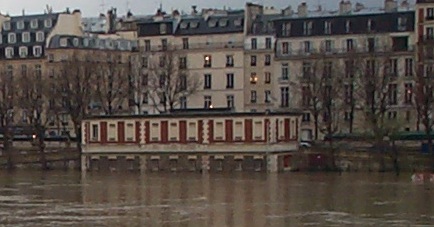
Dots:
(272, 163)
(205, 164)
(143, 163)
(205, 132)
(84, 163)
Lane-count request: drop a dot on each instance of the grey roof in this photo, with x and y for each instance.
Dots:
(199, 25)
(94, 24)
(263, 25)
(92, 43)
(353, 12)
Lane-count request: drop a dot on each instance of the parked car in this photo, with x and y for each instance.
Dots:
(305, 144)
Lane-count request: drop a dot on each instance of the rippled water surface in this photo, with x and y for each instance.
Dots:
(31, 198)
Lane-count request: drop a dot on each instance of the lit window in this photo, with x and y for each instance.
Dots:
(253, 78)
(207, 61)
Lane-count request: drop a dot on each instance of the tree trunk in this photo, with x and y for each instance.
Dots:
(41, 145)
(396, 159)
(332, 163)
(7, 147)
(77, 130)
(315, 116)
(381, 146)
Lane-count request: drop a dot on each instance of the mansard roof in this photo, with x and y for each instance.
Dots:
(67, 42)
(383, 22)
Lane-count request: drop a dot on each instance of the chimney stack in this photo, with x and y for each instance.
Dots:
(287, 11)
(193, 10)
(302, 10)
(390, 6)
(344, 7)
(359, 6)
(405, 4)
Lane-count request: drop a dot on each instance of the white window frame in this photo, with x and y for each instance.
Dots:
(40, 36)
(27, 35)
(9, 52)
(7, 25)
(20, 24)
(34, 23)
(63, 42)
(35, 48)
(23, 51)
(12, 37)
(48, 23)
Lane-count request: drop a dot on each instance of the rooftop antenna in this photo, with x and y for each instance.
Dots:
(127, 3)
(102, 5)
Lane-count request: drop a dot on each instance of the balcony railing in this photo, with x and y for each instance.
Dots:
(195, 46)
(319, 51)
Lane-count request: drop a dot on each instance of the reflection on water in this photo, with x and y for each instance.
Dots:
(30, 198)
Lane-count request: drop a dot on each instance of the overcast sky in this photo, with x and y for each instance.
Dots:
(94, 7)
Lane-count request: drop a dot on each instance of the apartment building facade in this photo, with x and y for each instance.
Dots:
(259, 75)
(206, 48)
(326, 44)
(23, 50)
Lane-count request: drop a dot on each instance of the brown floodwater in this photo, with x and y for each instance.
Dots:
(32, 198)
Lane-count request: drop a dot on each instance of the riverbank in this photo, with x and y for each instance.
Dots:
(304, 160)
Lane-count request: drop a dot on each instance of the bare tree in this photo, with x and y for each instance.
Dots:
(112, 81)
(74, 78)
(321, 86)
(377, 88)
(36, 93)
(7, 97)
(311, 91)
(349, 99)
(169, 82)
(424, 99)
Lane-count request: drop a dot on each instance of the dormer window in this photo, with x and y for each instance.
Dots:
(25, 37)
(183, 25)
(212, 23)
(402, 23)
(37, 51)
(48, 23)
(23, 52)
(307, 28)
(34, 23)
(40, 36)
(163, 28)
(7, 25)
(63, 42)
(75, 42)
(9, 52)
(12, 38)
(20, 25)
(223, 22)
(238, 22)
(194, 24)
(286, 29)
(347, 26)
(327, 27)
(86, 42)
